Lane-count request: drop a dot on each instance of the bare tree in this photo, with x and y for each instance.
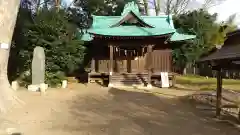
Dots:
(145, 3)
(38, 3)
(156, 4)
(181, 6)
(231, 19)
(173, 6)
(230, 23)
(176, 6)
(169, 6)
(210, 3)
(48, 3)
(57, 4)
(8, 15)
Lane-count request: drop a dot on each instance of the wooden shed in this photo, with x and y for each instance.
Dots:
(226, 58)
(131, 49)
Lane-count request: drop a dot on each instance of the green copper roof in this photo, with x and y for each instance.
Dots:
(179, 37)
(131, 8)
(158, 22)
(159, 25)
(131, 31)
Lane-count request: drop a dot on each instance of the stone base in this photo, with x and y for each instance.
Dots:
(33, 88)
(110, 85)
(15, 85)
(43, 87)
(64, 84)
(149, 86)
(36, 88)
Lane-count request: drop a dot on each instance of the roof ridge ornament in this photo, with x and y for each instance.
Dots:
(131, 6)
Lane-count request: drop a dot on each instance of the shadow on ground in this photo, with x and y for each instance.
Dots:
(119, 112)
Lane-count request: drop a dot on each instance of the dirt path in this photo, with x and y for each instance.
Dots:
(99, 111)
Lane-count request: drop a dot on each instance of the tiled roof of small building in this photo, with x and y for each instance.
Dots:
(227, 52)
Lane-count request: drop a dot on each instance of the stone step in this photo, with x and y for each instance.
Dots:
(129, 79)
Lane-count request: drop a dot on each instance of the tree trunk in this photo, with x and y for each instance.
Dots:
(157, 6)
(38, 5)
(8, 15)
(186, 68)
(57, 5)
(145, 2)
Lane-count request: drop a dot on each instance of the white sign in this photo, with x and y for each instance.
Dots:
(165, 79)
(4, 46)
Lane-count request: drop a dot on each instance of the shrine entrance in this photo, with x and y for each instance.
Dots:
(131, 49)
(129, 60)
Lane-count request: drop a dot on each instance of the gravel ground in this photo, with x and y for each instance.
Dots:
(94, 110)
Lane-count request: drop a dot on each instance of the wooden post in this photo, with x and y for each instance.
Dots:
(110, 66)
(129, 62)
(219, 92)
(149, 51)
(239, 113)
(93, 65)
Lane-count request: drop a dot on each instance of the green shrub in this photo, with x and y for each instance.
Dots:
(64, 51)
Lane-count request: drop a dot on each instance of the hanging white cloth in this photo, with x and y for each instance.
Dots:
(165, 80)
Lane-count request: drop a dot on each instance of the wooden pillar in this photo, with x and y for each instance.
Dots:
(219, 92)
(116, 61)
(149, 62)
(93, 65)
(110, 66)
(239, 113)
(129, 62)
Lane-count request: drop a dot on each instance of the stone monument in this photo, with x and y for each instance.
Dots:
(15, 85)
(38, 70)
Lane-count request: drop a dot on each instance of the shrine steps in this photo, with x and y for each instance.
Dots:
(129, 79)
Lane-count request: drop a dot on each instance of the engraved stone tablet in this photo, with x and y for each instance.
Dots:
(38, 66)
